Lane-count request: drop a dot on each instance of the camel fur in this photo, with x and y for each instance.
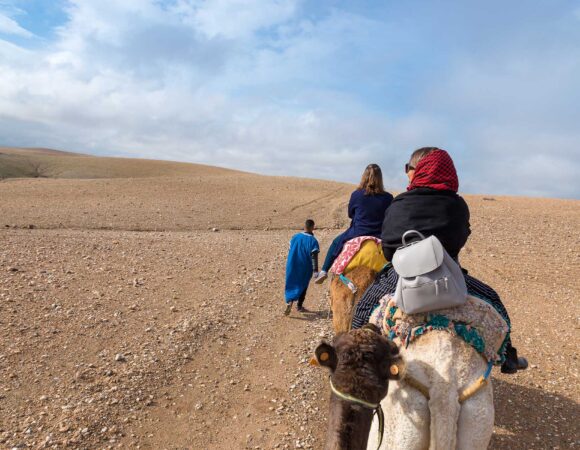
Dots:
(446, 365)
(343, 301)
(361, 365)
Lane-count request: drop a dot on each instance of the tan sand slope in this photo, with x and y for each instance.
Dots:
(48, 163)
(156, 195)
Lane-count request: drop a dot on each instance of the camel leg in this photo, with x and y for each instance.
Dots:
(342, 303)
(475, 425)
(406, 421)
(444, 407)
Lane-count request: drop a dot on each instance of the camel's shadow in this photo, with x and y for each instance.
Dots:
(533, 418)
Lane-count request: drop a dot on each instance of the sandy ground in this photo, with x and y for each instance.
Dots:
(126, 322)
(225, 201)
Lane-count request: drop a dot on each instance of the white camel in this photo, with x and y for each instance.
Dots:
(436, 398)
(446, 369)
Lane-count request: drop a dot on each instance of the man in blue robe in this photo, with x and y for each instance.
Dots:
(302, 263)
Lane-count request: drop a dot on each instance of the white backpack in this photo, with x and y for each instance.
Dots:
(429, 279)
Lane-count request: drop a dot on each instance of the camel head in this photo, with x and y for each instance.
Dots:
(361, 363)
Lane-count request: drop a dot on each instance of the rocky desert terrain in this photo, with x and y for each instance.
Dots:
(141, 307)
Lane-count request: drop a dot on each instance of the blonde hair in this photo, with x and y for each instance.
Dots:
(419, 154)
(372, 180)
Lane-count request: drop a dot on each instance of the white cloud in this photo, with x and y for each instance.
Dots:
(120, 94)
(237, 18)
(263, 86)
(10, 26)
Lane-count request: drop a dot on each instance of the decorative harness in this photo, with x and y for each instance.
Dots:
(357, 401)
(349, 283)
(467, 393)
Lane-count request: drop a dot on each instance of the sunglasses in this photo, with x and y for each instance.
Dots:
(408, 167)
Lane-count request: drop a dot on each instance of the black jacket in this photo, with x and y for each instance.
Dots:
(441, 213)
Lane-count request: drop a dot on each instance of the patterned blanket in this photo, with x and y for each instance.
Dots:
(363, 250)
(477, 322)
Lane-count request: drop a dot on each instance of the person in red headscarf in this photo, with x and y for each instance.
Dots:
(432, 206)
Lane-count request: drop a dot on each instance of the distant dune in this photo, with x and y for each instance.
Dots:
(52, 189)
(48, 163)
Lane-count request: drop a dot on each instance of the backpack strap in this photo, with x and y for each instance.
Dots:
(410, 232)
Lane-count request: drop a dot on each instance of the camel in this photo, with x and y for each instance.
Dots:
(454, 411)
(447, 367)
(361, 363)
(343, 300)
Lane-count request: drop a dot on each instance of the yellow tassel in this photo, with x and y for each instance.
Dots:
(414, 383)
(467, 393)
(472, 389)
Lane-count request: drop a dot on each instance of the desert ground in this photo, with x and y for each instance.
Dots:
(141, 307)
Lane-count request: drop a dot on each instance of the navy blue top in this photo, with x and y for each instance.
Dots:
(367, 213)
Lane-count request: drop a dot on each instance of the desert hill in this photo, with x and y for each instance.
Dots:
(49, 163)
(126, 321)
(136, 194)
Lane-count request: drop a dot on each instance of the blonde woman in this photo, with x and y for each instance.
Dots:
(366, 209)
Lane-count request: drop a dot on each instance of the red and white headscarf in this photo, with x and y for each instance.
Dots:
(436, 171)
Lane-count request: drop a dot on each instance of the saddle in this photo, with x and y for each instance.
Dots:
(361, 251)
(477, 322)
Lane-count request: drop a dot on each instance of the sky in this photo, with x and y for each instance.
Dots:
(315, 88)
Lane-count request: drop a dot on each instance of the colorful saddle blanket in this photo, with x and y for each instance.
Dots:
(477, 322)
(360, 251)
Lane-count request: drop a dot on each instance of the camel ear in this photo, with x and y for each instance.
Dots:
(325, 355)
(394, 369)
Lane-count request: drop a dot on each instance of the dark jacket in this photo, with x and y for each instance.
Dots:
(432, 212)
(367, 213)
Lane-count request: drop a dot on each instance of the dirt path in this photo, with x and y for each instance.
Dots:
(250, 386)
(153, 340)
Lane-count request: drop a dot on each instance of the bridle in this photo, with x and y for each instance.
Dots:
(376, 407)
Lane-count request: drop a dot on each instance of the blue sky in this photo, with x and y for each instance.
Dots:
(308, 88)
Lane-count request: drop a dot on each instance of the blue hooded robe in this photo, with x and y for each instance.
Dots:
(299, 264)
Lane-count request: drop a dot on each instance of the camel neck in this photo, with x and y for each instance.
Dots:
(348, 425)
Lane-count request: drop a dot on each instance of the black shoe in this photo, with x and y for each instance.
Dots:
(513, 363)
(302, 309)
(288, 309)
(522, 363)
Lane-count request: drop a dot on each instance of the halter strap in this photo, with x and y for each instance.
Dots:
(351, 399)
(357, 401)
